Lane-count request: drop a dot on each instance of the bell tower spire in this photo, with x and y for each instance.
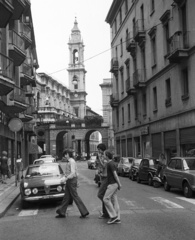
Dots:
(76, 71)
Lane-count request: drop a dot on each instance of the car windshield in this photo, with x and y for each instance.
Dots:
(190, 164)
(125, 160)
(137, 162)
(43, 170)
(93, 157)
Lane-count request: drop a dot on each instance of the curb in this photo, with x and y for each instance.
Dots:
(7, 202)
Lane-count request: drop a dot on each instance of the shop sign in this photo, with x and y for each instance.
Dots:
(144, 130)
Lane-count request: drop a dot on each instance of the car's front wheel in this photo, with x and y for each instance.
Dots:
(167, 187)
(187, 190)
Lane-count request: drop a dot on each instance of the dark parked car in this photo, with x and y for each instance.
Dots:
(134, 168)
(42, 182)
(147, 170)
(180, 173)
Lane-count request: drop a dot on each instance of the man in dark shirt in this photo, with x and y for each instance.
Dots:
(110, 197)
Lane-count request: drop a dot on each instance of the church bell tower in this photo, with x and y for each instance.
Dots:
(76, 72)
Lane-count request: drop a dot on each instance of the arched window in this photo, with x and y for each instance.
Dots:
(75, 56)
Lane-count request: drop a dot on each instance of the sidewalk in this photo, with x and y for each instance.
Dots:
(8, 193)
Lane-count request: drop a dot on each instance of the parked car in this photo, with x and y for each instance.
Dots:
(42, 182)
(124, 166)
(134, 168)
(92, 162)
(147, 170)
(180, 173)
(46, 156)
(44, 160)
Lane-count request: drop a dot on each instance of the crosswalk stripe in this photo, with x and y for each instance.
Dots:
(187, 199)
(166, 203)
(25, 213)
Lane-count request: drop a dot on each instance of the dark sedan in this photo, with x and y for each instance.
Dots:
(180, 173)
(147, 169)
(42, 182)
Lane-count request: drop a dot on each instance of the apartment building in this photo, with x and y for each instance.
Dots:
(18, 64)
(153, 54)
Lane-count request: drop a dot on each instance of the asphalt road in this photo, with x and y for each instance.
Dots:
(146, 213)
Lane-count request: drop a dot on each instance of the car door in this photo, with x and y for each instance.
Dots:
(143, 169)
(170, 172)
(178, 173)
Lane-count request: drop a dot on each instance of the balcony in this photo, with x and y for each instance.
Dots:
(16, 48)
(139, 78)
(139, 31)
(29, 91)
(114, 100)
(131, 45)
(42, 110)
(114, 65)
(26, 76)
(130, 90)
(168, 102)
(6, 75)
(6, 11)
(16, 103)
(179, 45)
(27, 115)
(26, 34)
(19, 6)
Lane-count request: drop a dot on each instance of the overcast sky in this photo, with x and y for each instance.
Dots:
(53, 21)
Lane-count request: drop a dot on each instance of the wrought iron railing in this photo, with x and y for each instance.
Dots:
(6, 67)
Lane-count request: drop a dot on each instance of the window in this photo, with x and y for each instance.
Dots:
(134, 27)
(144, 102)
(117, 117)
(152, 34)
(152, 6)
(185, 84)
(76, 110)
(136, 108)
(129, 112)
(165, 21)
(155, 99)
(122, 80)
(126, 6)
(127, 70)
(120, 16)
(168, 92)
(121, 42)
(123, 116)
(115, 24)
(75, 86)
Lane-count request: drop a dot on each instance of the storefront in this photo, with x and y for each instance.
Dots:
(129, 146)
(187, 141)
(156, 145)
(170, 144)
(123, 145)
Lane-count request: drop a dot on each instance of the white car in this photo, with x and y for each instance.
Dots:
(44, 160)
(92, 162)
(46, 156)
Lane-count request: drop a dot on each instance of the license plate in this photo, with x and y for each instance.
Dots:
(46, 197)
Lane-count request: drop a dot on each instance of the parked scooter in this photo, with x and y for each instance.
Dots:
(158, 177)
(97, 178)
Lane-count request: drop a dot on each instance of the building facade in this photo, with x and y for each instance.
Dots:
(18, 64)
(106, 87)
(153, 55)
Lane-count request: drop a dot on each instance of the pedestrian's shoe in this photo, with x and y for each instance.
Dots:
(59, 214)
(103, 216)
(84, 216)
(112, 220)
(118, 221)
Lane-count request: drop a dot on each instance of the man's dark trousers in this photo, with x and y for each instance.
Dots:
(101, 194)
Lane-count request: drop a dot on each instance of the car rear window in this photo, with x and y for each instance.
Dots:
(43, 170)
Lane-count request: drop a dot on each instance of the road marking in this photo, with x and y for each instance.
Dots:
(25, 213)
(187, 200)
(166, 203)
(131, 204)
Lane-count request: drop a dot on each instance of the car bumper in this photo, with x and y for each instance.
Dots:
(45, 197)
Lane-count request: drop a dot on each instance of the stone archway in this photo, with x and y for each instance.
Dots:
(60, 144)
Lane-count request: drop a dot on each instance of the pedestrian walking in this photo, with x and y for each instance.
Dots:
(4, 166)
(102, 169)
(71, 176)
(19, 168)
(110, 198)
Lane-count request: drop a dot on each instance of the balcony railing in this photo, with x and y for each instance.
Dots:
(47, 110)
(26, 33)
(139, 78)
(7, 9)
(6, 67)
(139, 31)
(114, 65)
(131, 45)
(16, 40)
(130, 90)
(179, 43)
(114, 100)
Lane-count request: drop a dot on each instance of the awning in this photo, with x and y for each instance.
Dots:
(33, 148)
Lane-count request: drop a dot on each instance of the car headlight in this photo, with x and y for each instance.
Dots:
(35, 191)
(59, 188)
(27, 191)
(64, 187)
(25, 184)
